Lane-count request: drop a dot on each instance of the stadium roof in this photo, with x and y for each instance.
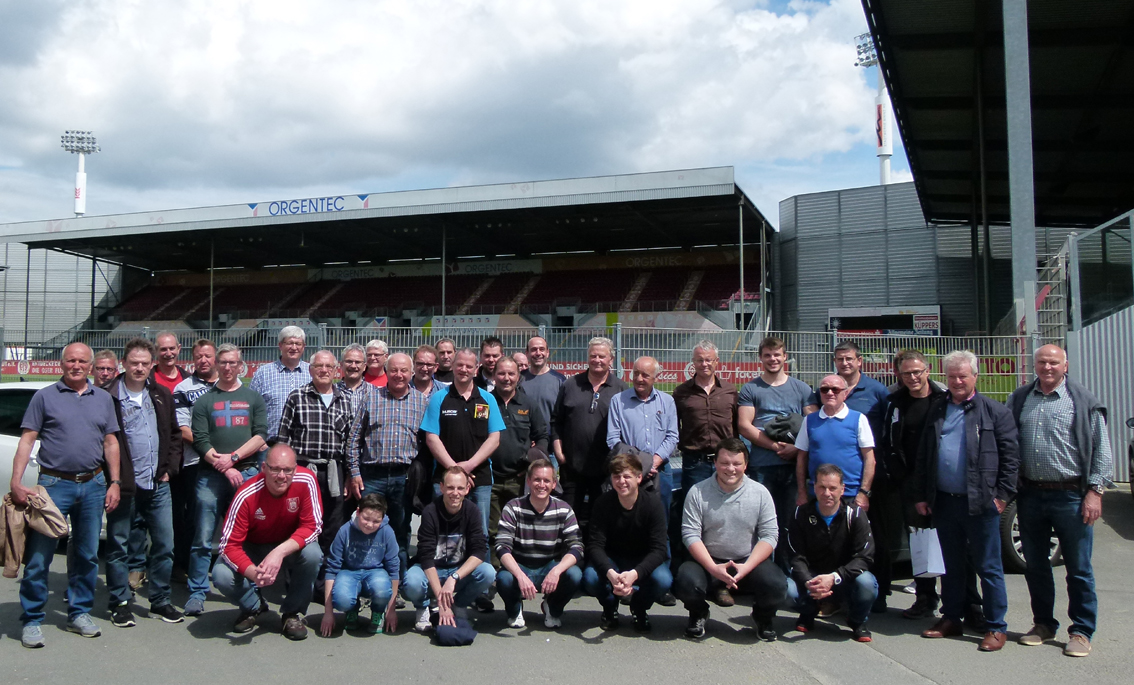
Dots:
(669, 209)
(932, 51)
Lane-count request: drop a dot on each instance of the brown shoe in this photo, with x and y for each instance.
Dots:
(993, 641)
(1077, 645)
(723, 598)
(293, 627)
(944, 628)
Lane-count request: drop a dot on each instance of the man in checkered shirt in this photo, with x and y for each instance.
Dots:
(1065, 463)
(383, 442)
(275, 381)
(316, 424)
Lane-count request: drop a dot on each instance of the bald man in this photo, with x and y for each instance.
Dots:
(316, 424)
(78, 467)
(1065, 463)
(839, 435)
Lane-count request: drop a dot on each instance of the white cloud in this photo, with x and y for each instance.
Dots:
(210, 101)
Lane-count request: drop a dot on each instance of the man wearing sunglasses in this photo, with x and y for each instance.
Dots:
(839, 435)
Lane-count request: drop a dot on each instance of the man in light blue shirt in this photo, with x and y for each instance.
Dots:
(646, 419)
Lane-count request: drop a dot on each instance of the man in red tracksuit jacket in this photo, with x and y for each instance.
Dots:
(270, 538)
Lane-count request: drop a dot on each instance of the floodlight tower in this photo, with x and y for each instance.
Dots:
(868, 57)
(80, 143)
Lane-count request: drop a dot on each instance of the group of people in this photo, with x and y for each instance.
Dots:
(532, 484)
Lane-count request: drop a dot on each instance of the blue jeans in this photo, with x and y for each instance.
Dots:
(295, 581)
(978, 539)
(694, 469)
(509, 589)
(859, 595)
(468, 588)
(646, 590)
(372, 583)
(136, 552)
(83, 504)
(1041, 513)
(214, 494)
(780, 482)
(155, 507)
(390, 482)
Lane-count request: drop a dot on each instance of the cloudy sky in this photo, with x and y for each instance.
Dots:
(204, 102)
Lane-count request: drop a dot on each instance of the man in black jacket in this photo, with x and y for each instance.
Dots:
(965, 475)
(150, 443)
(831, 548)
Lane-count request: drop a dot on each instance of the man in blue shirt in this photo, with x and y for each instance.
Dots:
(646, 419)
(275, 381)
(966, 474)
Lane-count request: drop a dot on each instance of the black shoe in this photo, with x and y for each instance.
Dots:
(765, 630)
(121, 616)
(642, 622)
(667, 600)
(167, 613)
(860, 633)
(624, 601)
(974, 619)
(695, 628)
(609, 620)
(246, 621)
(805, 624)
(925, 606)
(483, 604)
(879, 606)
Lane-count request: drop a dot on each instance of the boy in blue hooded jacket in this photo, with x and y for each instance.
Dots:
(363, 561)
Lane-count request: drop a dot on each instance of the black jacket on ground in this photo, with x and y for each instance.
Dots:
(845, 547)
(169, 435)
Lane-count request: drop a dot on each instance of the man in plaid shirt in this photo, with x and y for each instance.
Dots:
(315, 423)
(275, 381)
(383, 442)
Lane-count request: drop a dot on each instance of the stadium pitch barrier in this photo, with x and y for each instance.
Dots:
(1005, 360)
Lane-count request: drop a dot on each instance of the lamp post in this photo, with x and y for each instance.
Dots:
(868, 57)
(80, 143)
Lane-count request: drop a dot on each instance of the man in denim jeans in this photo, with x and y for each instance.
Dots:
(1065, 462)
(229, 428)
(150, 447)
(75, 424)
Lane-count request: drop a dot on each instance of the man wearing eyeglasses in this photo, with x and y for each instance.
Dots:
(424, 366)
(269, 539)
(578, 428)
(275, 381)
(897, 450)
(229, 429)
(377, 353)
(839, 435)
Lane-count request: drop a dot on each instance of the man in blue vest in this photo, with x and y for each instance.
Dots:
(839, 435)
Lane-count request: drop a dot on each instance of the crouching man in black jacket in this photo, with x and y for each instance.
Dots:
(831, 549)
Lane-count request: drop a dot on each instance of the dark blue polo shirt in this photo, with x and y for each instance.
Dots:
(71, 426)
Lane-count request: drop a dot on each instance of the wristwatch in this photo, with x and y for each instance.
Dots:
(1097, 488)
(455, 576)
(838, 579)
(116, 482)
(864, 491)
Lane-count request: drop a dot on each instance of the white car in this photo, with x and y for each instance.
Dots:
(14, 398)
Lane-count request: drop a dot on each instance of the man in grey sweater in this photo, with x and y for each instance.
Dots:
(729, 526)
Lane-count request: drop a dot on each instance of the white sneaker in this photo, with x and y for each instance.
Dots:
(518, 621)
(549, 620)
(423, 624)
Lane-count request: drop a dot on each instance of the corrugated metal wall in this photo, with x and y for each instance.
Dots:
(1106, 356)
(60, 292)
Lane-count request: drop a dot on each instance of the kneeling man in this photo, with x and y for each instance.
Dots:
(831, 549)
(271, 538)
(729, 526)
(538, 541)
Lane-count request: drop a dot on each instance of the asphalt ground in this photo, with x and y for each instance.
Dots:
(202, 650)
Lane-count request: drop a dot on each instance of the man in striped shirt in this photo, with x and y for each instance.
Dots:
(270, 536)
(540, 548)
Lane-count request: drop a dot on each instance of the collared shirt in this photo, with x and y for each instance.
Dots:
(356, 396)
(184, 395)
(837, 439)
(482, 381)
(434, 386)
(704, 419)
(579, 422)
(649, 425)
(316, 431)
(275, 382)
(384, 430)
(139, 420)
(952, 455)
(868, 396)
(525, 425)
(463, 426)
(1048, 449)
(71, 426)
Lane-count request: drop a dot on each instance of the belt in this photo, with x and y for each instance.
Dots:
(383, 467)
(697, 455)
(74, 476)
(1074, 485)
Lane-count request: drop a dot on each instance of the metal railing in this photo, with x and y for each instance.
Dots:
(1003, 358)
